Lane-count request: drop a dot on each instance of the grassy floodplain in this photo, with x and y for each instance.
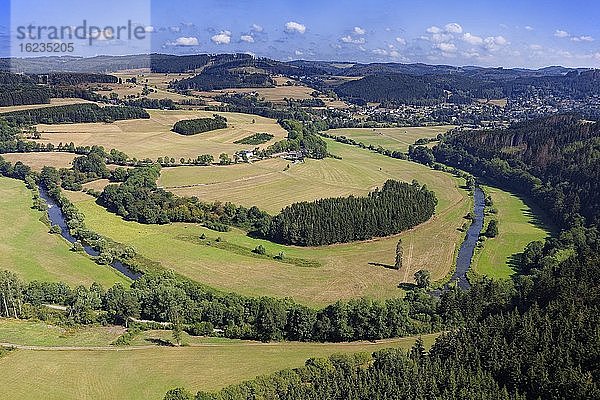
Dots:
(27, 248)
(517, 226)
(345, 270)
(391, 138)
(148, 372)
(153, 138)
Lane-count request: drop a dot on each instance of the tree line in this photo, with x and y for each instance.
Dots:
(73, 113)
(395, 207)
(163, 296)
(256, 139)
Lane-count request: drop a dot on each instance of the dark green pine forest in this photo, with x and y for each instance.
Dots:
(396, 207)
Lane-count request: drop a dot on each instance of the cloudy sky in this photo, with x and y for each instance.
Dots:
(508, 33)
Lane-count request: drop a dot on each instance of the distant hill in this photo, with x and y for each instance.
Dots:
(379, 82)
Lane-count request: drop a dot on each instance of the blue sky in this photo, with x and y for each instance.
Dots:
(490, 33)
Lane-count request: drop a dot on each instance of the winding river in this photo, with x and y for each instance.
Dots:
(57, 217)
(465, 253)
(463, 260)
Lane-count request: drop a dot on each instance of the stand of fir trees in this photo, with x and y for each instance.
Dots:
(194, 126)
(390, 210)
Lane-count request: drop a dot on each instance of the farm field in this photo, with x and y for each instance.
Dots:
(147, 373)
(32, 253)
(345, 270)
(517, 226)
(153, 137)
(266, 184)
(38, 160)
(156, 81)
(53, 102)
(33, 333)
(391, 138)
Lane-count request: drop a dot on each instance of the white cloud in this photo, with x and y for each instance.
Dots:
(294, 27)
(350, 39)
(433, 29)
(453, 28)
(441, 37)
(394, 54)
(185, 41)
(175, 29)
(528, 28)
(472, 39)
(494, 43)
(359, 31)
(471, 54)
(149, 29)
(447, 47)
(380, 52)
(298, 53)
(247, 38)
(400, 40)
(584, 38)
(535, 47)
(223, 37)
(256, 28)
(561, 34)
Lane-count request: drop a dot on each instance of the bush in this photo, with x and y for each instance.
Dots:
(260, 249)
(492, 229)
(216, 226)
(200, 329)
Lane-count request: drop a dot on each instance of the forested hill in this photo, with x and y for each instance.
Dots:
(556, 160)
(393, 87)
(464, 86)
(537, 143)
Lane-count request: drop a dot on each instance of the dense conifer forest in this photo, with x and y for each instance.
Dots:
(194, 126)
(394, 208)
(554, 160)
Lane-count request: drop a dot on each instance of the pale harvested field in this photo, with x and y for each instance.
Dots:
(39, 160)
(345, 270)
(391, 138)
(153, 137)
(98, 184)
(53, 102)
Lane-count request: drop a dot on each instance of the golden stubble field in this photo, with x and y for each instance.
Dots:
(38, 160)
(153, 138)
(53, 102)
